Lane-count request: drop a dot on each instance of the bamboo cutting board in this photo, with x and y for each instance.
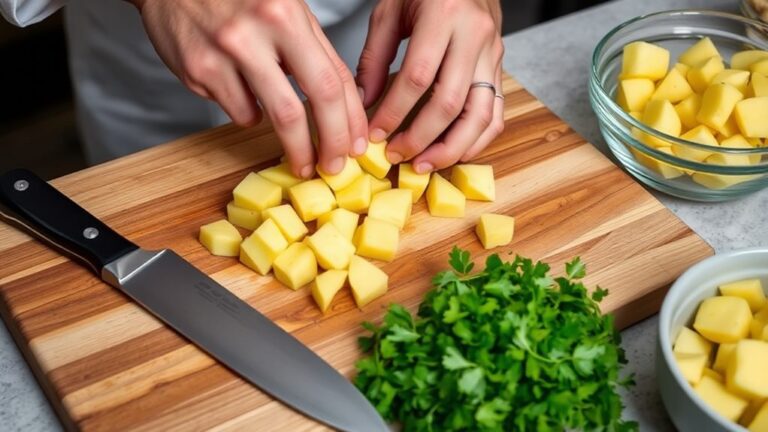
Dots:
(105, 364)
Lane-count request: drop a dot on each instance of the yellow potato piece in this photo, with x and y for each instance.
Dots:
(633, 93)
(377, 239)
(700, 76)
(644, 60)
(662, 168)
(332, 249)
(682, 68)
(221, 238)
(444, 199)
(661, 115)
(255, 192)
(750, 290)
(736, 141)
(717, 396)
(393, 206)
(311, 199)
(345, 177)
(701, 135)
(734, 77)
(379, 185)
(717, 104)
(325, 287)
(476, 182)
(687, 110)
(720, 181)
(289, 223)
(729, 129)
(760, 67)
(723, 319)
(296, 266)
(751, 412)
(723, 357)
(759, 85)
(407, 178)
(282, 176)
(698, 52)
(374, 160)
(744, 59)
(713, 374)
(673, 87)
(758, 323)
(752, 117)
(495, 230)
(344, 220)
(367, 281)
(260, 249)
(242, 217)
(760, 422)
(747, 374)
(357, 196)
(690, 342)
(691, 366)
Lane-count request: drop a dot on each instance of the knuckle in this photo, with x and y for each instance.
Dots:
(498, 49)
(277, 13)
(451, 7)
(419, 76)
(498, 126)
(230, 35)
(485, 25)
(485, 117)
(287, 113)
(450, 103)
(328, 87)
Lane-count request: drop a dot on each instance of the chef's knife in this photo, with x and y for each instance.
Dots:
(192, 303)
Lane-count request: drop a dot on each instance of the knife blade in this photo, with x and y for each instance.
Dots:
(192, 303)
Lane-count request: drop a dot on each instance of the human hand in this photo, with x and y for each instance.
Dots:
(238, 52)
(453, 44)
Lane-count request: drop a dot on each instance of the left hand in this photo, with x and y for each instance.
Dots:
(453, 44)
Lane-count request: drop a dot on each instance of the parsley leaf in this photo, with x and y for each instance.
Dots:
(459, 260)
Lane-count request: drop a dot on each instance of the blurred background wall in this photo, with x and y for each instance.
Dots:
(37, 118)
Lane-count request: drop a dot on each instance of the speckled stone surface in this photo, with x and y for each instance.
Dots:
(551, 60)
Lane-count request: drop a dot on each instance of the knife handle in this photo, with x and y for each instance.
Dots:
(27, 200)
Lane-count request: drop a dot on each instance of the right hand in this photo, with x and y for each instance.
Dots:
(238, 52)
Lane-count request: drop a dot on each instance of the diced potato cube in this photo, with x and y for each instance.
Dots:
(644, 60)
(690, 342)
(476, 182)
(691, 366)
(664, 169)
(393, 206)
(759, 85)
(332, 249)
(736, 141)
(367, 281)
(752, 117)
(723, 357)
(701, 135)
(325, 287)
(750, 290)
(759, 67)
(723, 319)
(698, 52)
(379, 185)
(673, 87)
(729, 129)
(255, 192)
(700, 76)
(713, 374)
(282, 176)
(760, 422)
(687, 110)
(751, 412)
(377, 239)
(295, 266)
(637, 115)
(407, 178)
(444, 199)
(374, 160)
(744, 59)
(720, 181)
(682, 68)
(634, 93)
(260, 249)
(345, 177)
(661, 115)
(243, 217)
(758, 323)
(344, 220)
(717, 104)
(288, 221)
(717, 396)
(736, 78)
(747, 374)
(357, 196)
(311, 199)
(495, 230)
(221, 238)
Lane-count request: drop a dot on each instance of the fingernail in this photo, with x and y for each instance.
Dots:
(423, 168)
(336, 165)
(394, 157)
(361, 92)
(359, 146)
(378, 135)
(306, 172)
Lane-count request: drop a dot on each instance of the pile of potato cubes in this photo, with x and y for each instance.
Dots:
(700, 99)
(736, 383)
(336, 239)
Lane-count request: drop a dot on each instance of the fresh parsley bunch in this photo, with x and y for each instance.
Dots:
(508, 348)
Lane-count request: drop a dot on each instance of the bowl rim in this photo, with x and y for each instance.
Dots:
(665, 318)
(615, 109)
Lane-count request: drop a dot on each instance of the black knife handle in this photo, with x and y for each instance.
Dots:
(27, 200)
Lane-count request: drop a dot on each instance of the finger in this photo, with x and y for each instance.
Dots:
(445, 104)
(378, 54)
(494, 129)
(422, 59)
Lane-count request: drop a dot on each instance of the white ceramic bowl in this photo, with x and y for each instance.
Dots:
(688, 412)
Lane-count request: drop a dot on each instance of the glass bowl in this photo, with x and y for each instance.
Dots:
(664, 171)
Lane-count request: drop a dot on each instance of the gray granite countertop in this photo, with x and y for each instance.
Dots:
(552, 61)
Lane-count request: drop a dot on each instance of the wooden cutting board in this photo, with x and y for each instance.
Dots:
(105, 364)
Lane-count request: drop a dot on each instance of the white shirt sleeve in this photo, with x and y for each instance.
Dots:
(26, 12)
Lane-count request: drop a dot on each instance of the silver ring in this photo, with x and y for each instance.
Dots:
(484, 84)
(499, 95)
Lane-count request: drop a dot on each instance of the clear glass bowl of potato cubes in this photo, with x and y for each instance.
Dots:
(682, 101)
(712, 353)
